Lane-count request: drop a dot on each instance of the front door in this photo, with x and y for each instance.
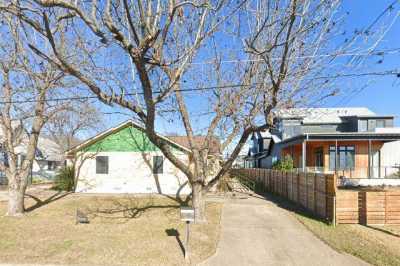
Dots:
(319, 159)
(375, 164)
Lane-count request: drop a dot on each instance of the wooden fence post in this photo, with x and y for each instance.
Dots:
(386, 210)
(334, 221)
(306, 177)
(315, 194)
(298, 188)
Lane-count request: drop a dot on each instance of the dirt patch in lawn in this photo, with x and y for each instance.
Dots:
(123, 230)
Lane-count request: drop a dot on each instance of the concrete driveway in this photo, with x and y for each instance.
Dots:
(257, 232)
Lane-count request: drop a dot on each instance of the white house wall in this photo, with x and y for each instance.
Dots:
(390, 154)
(130, 172)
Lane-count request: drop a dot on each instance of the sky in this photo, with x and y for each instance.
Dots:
(380, 94)
(383, 94)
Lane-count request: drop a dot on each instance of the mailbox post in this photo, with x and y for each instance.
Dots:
(187, 215)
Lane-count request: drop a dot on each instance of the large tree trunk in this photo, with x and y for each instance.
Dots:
(198, 202)
(17, 183)
(15, 201)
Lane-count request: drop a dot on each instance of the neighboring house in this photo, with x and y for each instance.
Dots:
(214, 152)
(263, 152)
(48, 159)
(123, 160)
(352, 142)
(241, 159)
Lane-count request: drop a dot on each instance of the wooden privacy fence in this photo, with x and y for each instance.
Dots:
(319, 194)
(315, 192)
(368, 207)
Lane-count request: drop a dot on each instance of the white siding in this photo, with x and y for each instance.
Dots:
(390, 154)
(130, 172)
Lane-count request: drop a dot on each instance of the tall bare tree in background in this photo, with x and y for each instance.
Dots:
(26, 83)
(278, 66)
(77, 117)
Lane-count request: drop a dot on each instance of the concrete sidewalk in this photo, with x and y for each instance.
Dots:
(257, 232)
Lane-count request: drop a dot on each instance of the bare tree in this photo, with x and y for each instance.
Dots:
(275, 68)
(77, 118)
(26, 84)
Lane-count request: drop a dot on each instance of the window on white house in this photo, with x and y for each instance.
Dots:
(158, 164)
(51, 165)
(101, 164)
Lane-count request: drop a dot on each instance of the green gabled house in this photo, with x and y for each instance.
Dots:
(122, 159)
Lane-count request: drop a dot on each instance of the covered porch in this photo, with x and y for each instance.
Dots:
(350, 156)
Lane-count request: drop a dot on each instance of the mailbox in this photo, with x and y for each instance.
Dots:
(187, 214)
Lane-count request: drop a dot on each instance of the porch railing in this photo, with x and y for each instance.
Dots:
(360, 172)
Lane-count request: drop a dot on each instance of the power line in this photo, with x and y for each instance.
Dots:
(375, 53)
(390, 7)
(395, 73)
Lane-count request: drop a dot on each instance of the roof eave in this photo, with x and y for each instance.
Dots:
(344, 136)
(109, 131)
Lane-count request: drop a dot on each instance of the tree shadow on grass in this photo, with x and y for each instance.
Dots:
(127, 208)
(42, 202)
(383, 230)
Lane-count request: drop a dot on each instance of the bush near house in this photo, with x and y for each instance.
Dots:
(64, 180)
(285, 164)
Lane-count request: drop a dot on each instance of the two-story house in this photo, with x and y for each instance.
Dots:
(262, 152)
(352, 142)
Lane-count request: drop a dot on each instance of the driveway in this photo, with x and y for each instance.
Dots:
(257, 232)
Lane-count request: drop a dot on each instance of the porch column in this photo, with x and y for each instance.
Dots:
(369, 158)
(336, 156)
(304, 156)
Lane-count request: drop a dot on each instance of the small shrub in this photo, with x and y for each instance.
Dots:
(64, 180)
(285, 164)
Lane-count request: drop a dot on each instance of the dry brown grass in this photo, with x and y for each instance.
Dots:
(122, 231)
(377, 245)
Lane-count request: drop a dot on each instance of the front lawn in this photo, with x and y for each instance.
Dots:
(122, 231)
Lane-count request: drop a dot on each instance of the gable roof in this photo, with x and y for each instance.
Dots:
(117, 128)
(324, 115)
(214, 145)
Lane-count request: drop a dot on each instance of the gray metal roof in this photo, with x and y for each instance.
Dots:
(324, 115)
(46, 148)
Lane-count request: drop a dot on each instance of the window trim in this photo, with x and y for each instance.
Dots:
(345, 150)
(319, 156)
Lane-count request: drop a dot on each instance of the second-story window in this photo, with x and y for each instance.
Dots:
(362, 125)
(380, 123)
